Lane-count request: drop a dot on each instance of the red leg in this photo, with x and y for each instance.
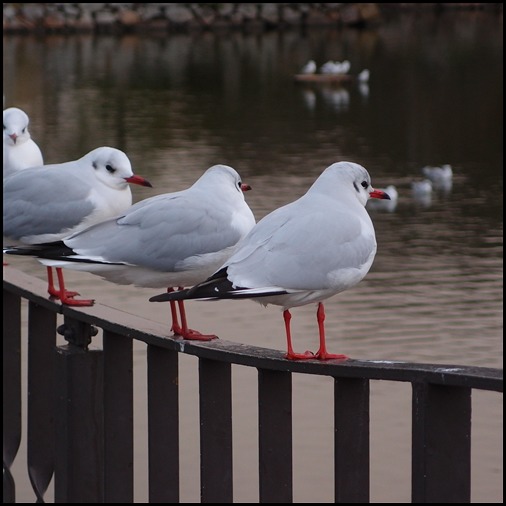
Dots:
(50, 283)
(184, 331)
(51, 289)
(322, 353)
(290, 354)
(65, 296)
(173, 313)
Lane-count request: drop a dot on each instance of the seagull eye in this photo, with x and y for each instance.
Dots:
(24, 130)
(110, 169)
(5, 127)
(365, 184)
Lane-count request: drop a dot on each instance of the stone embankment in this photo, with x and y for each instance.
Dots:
(121, 17)
(167, 17)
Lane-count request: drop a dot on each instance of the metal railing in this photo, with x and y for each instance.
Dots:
(80, 410)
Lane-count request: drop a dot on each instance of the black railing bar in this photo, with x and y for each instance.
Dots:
(155, 333)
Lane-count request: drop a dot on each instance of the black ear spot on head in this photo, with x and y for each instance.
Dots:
(94, 164)
(356, 187)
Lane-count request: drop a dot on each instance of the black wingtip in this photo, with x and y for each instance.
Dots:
(162, 297)
(44, 250)
(214, 287)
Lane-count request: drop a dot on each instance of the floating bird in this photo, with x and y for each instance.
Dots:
(344, 67)
(421, 187)
(309, 67)
(422, 192)
(363, 76)
(49, 203)
(335, 67)
(304, 252)
(20, 150)
(330, 67)
(441, 177)
(171, 240)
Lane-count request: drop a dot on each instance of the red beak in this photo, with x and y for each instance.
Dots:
(138, 180)
(379, 194)
(245, 187)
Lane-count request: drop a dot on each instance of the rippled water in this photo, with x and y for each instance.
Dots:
(180, 104)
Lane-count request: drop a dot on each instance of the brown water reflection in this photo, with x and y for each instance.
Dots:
(180, 104)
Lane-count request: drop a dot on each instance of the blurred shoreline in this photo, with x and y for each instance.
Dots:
(146, 18)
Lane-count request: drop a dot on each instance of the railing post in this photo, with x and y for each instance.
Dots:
(79, 455)
(118, 418)
(215, 390)
(40, 409)
(441, 467)
(11, 389)
(163, 424)
(275, 436)
(351, 454)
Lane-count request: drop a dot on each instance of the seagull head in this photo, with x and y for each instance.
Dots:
(112, 167)
(344, 179)
(15, 126)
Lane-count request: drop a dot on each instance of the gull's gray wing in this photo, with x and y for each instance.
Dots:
(43, 201)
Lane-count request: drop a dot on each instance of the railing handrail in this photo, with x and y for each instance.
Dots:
(155, 333)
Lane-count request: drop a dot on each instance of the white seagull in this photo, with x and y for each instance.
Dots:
(309, 67)
(330, 67)
(441, 177)
(423, 187)
(363, 76)
(344, 67)
(422, 192)
(171, 240)
(49, 203)
(20, 150)
(304, 252)
(335, 67)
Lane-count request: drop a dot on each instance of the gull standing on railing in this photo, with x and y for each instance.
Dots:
(48, 203)
(302, 253)
(171, 240)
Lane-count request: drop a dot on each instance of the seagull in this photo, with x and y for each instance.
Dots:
(363, 76)
(309, 67)
(345, 66)
(170, 240)
(422, 192)
(335, 67)
(20, 150)
(330, 67)
(441, 177)
(421, 187)
(304, 252)
(51, 202)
